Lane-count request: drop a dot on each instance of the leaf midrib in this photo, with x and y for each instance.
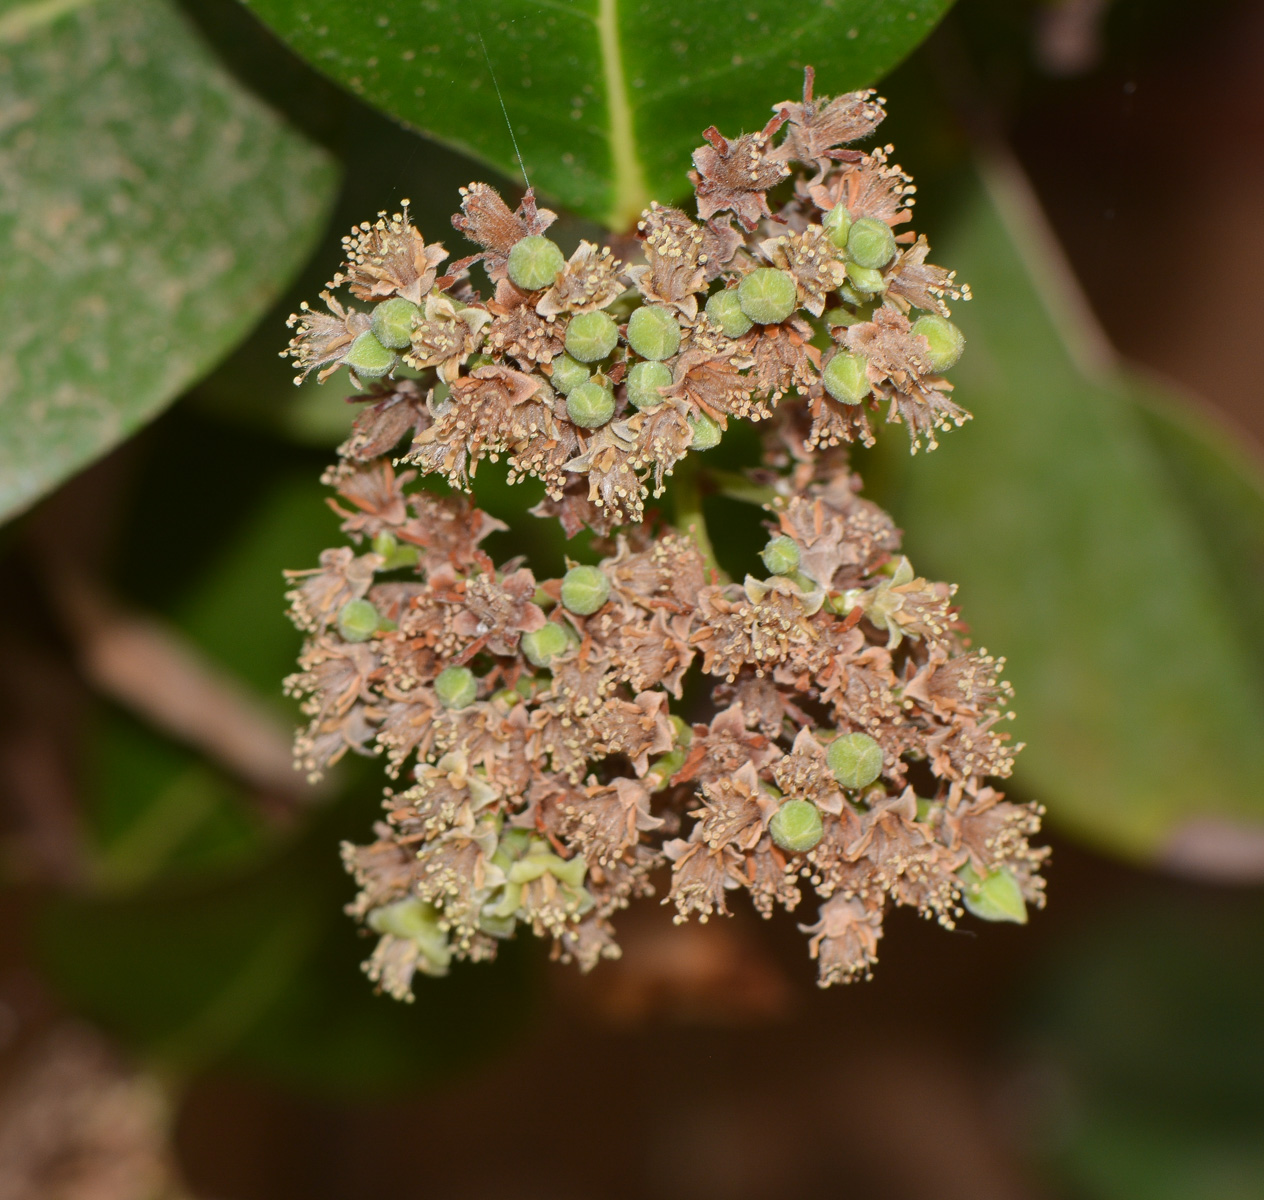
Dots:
(630, 194)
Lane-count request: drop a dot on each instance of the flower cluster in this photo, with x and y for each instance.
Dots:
(547, 764)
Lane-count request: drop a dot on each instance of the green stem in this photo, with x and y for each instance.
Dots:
(690, 519)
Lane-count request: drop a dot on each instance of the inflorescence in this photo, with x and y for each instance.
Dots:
(850, 730)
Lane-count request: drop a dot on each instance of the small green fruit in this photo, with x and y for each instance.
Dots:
(543, 645)
(368, 358)
(591, 336)
(590, 404)
(585, 590)
(568, 374)
(845, 378)
(796, 826)
(838, 225)
(725, 310)
(870, 242)
(946, 341)
(653, 333)
(358, 621)
(768, 296)
(865, 279)
(643, 381)
(456, 687)
(392, 322)
(996, 896)
(534, 263)
(706, 433)
(855, 759)
(781, 556)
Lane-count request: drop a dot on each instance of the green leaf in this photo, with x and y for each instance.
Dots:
(151, 209)
(606, 99)
(1107, 541)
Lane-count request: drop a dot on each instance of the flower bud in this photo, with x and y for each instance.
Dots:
(392, 322)
(653, 333)
(568, 374)
(541, 646)
(946, 341)
(845, 378)
(590, 404)
(865, 279)
(415, 921)
(838, 225)
(768, 296)
(393, 553)
(358, 621)
(725, 310)
(781, 556)
(996, 896)
(534, 262)
(456, 687)
(796, 826)
(706, 433)
(855, 759)
(842, 316)
(585, 590)
(643, 381)
(591, 336)
(870, 242)
(368, 358)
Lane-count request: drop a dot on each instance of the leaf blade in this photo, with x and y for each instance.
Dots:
(605, 99)
(153, 208)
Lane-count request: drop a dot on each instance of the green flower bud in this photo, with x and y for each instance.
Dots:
(368, 358)
(396, 556)
(568, 374)
(796, 826)
(842, 316)
(591, 336)
(838, 225)
(653, 333)
(725, 310)
(585, 590)
(870, 242)
(865, 279)
(768, 296)
(358, 621)
(946, 341)
(855, 759)
(643, 381)
(542, 646)
(590, 404)
(392, 322)
(845, 378)
(415, 921)
(456, 687)
(781, 556)
(996, 896)
(534, 263)
(706, 432)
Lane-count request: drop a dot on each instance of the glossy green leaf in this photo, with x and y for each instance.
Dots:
(606, 98)
(1105, 540)
(150, 210)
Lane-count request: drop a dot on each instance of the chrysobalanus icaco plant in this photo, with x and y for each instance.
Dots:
(547, 771)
